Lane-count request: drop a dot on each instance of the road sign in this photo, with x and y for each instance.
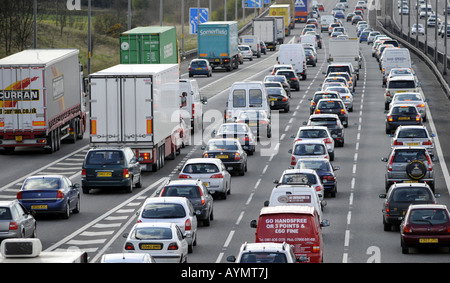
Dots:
(251, 3)
(193, 19)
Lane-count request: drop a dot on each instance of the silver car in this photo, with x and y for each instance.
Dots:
(211, 171)
(16, 221)
(413, 136)
(411, 98)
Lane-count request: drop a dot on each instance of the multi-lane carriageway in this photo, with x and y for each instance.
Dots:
(355, 234)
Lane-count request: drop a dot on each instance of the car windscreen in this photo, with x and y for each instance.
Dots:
(163, 210)
(105, 157)
(200, 168)
(152, 233)
(411, 194)
(47, 183)
(263, 257)
(181, 191)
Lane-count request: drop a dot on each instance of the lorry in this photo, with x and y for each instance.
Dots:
(302, 9)
(149, 45)
(293, 54)
(192, 104)
(254, 42)
(137, 106)
(265, 29)
(42, 101)
(281, 35)
(345, 50)
(283, 10)
(218, 43)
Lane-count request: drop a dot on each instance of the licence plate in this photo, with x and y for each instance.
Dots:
(273, 99)
(40, 206)
(151, 246)
(221, 156)
(412, 143)
(411, 181)
(217, 60)
(252, 124)
(206, 184)
(104, 174)
(198, 69)
(429, 241)
(19, 138)
(404, 118)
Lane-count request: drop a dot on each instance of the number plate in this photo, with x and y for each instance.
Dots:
(429, 241)
(104, 174)
(222, 156)
(151, 246)
(40, 206)
(206, 184)
(404, 118)
(412, 143)
(19, 138)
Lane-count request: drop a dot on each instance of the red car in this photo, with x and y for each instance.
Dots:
(320, 7)
(425, 225)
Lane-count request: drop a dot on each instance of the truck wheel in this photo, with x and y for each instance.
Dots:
(74, 127)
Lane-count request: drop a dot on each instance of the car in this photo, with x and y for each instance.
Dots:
(164, 241)
(240, 131)
(339, 29)
(278, 98)
(200, 67)
(344, 94)
(291, 77)
(338, 79)
(320, 7)
(307, 133)
(364, 36)
(258, 121)
(346, 75)
(263, 47)
(311, 58)
(345, 68)
(338, 14)
(402, 114)
(328, 85)
(282, 80)
(356, 19)
(407, 83)
(246, 51)
(228, 150)
(332, 26)
(312, 21)
(264, 253)
(325, 170)
(319, 40)
(127, 258)
(211, 171)
(309, 148)
(110, 168)
(241, 57)
(337, 34)
(333, 106)
(332, 122)
(50, 194)
(399, 72)
(409, 164)
(16, 221)
(349, 16)
(411, 98)
(424, 226)
(321, 95)
(417, 29)
(442, 31)
(413, 136)
(371, 36)
(277, 67)
(399, 197)
(176, 210)
(294, 175)
(196, 192)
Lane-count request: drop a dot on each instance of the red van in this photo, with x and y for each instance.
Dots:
(298, 226)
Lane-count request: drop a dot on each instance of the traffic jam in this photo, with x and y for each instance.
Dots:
(289, 227)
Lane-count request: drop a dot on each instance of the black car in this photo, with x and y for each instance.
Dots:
(291, 77)
(310, 58)
(332, 122)
(324, 169)
(228, 150)
(333, 106)
(402, 115)
(198, 195)
(282, 80)
(318, 95)
(278, 99)
(399, 197)
(109, 168)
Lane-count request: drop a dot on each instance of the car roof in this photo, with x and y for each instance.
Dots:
(7, 203)
(124, 257)
(427, 206)
(323, 115)
(302, 209)
(203, 160)
(183, 182)
(173, 199)
(291, 171)
(310, 141)
(410, 185)
(268, 247)
(312, 127)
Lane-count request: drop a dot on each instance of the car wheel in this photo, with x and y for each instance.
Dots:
(405, 249)
(386, 226)
(129, 189)
(207, 221)
(66, 213)
(77, 208)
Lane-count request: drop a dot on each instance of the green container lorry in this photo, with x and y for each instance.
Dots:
(149, 45)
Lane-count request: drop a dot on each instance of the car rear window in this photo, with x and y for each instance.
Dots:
(163, 210)
(41, 184)
(323, 122)
(318, 97)
(200, 168)
(222, 145)
(401, 84)
(5, 213)
(412, 133)
(313, 134)
(404, 110)
(152, 233)
(181, 191)
(411, 194)
(105, 157)
(263, 257)
(198, 63)
(239, 98)
(330, 104)
(314, 165)
(403, 156)
(309, 149)
(428, 216)
(302, 178)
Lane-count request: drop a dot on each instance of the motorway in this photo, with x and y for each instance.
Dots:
(355, 234)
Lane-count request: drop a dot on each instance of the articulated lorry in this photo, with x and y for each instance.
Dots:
(283, 10)
(42, 100)
(266, 30)
(218, 43)
(302, 9)
(137, 106)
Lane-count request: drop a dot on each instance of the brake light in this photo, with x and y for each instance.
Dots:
(172, 246)
(247, 138)
(184, 176)
(343, 111)
(193, 109)
(83, 173)
(329, 178)
(205, 155)
(421, 105)
(202, 196)
(237, 157)
(217, 176)
(187, 225)
(327, 140)
(13, 225)
(387, 209)
(293, 161)
(145, 156)
(59, 195)
(390, 119)
(407, 229)
(318, 188)
(388, 93)
(129, 247)
(390, 163)
(316, 249)
(19, 195)
(317, 111)
(427, 143)
(430, 166)
(126, 173)
(418, 118)
(284, 99)
(398, 142)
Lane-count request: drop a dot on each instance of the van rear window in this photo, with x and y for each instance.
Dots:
(239, 98)
(255, 98)
(279, 228)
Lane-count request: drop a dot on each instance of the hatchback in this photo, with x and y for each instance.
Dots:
(195, 191)
(413, 136)
(246, 51)
(264, 253)
(211, 171)
(200, 67)
(108, 168)
(345, 94)
(318, 95)
(402, 114)
(50, 194)
(309, 148)
(278, 99)
(16, 221)
(291, 77)
(258, 121)
(177, 210)
(163, 241)
(307, 133)
(324, 169)
(241, 132)
(281, 79)
(399, 197)
(425, 226)
(333, 106)
(230, 151)
(333, 123)
(291, 176)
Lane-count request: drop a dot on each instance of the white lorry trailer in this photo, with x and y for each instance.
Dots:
(345, 49)
(41, 99)
(137, 106)
(265, 29)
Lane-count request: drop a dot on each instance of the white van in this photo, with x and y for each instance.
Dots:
(254, 43)
(325, 22)
(394, 58)
(308, 39)
(283, 195)
(406, 83)
(293, 54)
(246, 96)
(192, 103)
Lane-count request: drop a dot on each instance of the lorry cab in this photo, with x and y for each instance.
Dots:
(298, 226)
(192, 103)
(246, 96)
(293, 54)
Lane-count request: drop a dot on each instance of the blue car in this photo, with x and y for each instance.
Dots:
(364, 36)
(200, 67)
(50, 194)
(339, 14)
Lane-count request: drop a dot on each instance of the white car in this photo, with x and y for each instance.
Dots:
(211, 171)
(411, 98)
(420, 30)
(177, 210)
(314, 180)
(310, 133)
(164, 241)
(310, 148)
(246, 51)
(127, 258)
(345, 94)
(413, 136)
(264, 253)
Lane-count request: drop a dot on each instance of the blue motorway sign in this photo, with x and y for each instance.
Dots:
(193, 19)
(251, 3)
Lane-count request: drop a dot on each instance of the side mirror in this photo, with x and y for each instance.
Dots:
(231, 258)
(125, 235)
(325, 223)
(204, 100)
(336, 168)
(275, 181)
(384, 159)
(290, 151)
(323, 203)
(382, 195)
(253, 224)
(266, 203)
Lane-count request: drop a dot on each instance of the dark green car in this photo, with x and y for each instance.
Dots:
(109, 168)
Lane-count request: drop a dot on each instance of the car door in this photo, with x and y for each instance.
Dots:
(23, 219)
(72, 192)
(133, 165)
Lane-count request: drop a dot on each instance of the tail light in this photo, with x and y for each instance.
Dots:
(126, 173)
(427, 143)
(390, 119)
(329, 178)
(316, 249)
(172, 246)
(390, 163)
(293, 161)
(284, 98)
(13, 225)
(59, 195)
(418, 118)
(387, 209)
(327, 140)
(184, 176)
(398, 142)
(193, 109)
(343, 111)
(205, 155)
(247, 138)
(145, 156)
(421, 105)
(388, 93)
(263, 122)
(313, 103)
(430, 166)
(83, 173)
(19, 195)
(129, 247)
(217, 176)
(318, 188)
(237, 156)
(317, 111)
(295, 79)
(407, 229)
(202, 196)
(187, 225)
